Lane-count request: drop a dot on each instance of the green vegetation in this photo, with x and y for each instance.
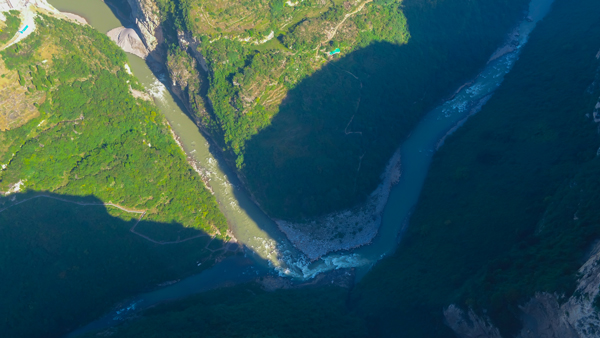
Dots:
(182, 69)
(66, 265)
(340, 112)
(92, 137)
(249, 311)
(508, 209)
(9, 28)
(90, 141)
(247, 85)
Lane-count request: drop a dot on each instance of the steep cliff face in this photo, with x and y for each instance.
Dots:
(183, 65)
(186, 81)
(543, 315)
(147, 18)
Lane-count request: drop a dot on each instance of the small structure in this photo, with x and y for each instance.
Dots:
(337, 50)
(24, 29)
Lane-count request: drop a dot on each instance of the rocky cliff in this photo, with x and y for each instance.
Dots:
(544, 315)
(147, 18)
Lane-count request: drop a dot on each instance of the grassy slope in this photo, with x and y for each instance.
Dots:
(496, 211)
(92, 141)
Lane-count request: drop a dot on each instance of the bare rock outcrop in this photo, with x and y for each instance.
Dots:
(543, 315)
(347, 229)
(469, 325)
(191, 44)
(147, 18)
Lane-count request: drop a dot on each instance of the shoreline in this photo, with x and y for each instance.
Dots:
(509, 46)
(129, 41)
(321, 236)
(347, 229)
(75, 17)
(474, 110)
(204, 177)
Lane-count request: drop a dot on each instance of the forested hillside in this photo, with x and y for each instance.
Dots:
(249, 311)
(310, 99)
(508, 208)
(82, 160)
(87, 134)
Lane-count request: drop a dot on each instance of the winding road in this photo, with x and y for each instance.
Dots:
(332, 34)
(132, 230)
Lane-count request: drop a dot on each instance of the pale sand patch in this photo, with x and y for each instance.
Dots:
(129, 41)
(347, 229)
(139, 94)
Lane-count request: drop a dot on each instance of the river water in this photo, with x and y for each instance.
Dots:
(250, 225)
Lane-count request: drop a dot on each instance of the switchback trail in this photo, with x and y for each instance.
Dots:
(132, 230)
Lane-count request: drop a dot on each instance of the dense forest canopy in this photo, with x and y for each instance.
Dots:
(91, 136)
(507, 207)
(309, 130)
(67, 264)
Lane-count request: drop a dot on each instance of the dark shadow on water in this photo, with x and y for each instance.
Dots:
(122, 11)
(337, 129)
(67, 264)
(225, 162)
(335, 132)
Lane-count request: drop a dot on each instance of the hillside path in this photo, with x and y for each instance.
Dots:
(132, 230)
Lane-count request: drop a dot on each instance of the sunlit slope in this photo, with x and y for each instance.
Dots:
(309, 129)
(85, 162)
(91, 136)
(509, 207)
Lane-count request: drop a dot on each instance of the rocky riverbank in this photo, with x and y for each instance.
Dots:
(347, 229)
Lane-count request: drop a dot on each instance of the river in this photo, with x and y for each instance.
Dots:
(250, 225)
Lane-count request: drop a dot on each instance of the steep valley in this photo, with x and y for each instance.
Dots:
(338, 126)
(114, 207)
